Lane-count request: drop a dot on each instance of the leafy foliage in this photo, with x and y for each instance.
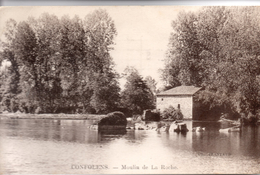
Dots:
(114, 118)
(136, 96)
(60, 65)
(217, 48)
(172, 114)
(151, 83)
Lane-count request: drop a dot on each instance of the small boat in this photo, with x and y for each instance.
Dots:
(224, 130)
(232, 122)
(181, 127)
(232, 129)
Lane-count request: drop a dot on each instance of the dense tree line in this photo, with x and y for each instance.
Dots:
(217, 48)
(63, 65)
(60, 65)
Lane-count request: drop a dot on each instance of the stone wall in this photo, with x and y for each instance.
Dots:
(185, 103)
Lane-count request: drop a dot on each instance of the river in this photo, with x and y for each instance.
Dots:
(40, 146)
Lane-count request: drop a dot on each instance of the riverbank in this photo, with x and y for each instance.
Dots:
(63, 116)
(52, 116)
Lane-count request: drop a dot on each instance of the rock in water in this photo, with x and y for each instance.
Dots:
(114, 120)
(164, 128)
(151, 115)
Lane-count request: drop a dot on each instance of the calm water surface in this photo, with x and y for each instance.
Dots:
(36, 146)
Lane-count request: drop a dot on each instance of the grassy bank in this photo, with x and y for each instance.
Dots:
(52, 116)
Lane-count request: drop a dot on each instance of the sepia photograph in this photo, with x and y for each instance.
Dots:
(130, 90)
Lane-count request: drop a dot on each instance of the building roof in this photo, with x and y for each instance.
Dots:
(180, 90)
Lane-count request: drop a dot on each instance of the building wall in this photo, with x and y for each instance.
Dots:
(185, 102)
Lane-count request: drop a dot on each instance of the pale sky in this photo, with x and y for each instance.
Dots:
(143, 32)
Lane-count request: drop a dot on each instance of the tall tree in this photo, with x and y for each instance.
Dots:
(46, 29)
(72, 53)
(183, 53)
(101, 31)
(60, 65)
(11, 76)
(218, 48)
(136, 96)
(26, 52)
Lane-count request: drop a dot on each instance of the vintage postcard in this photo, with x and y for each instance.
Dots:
(130, 90)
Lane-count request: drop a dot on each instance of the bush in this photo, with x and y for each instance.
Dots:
(172, 114)
(114, 118)
(250, 119)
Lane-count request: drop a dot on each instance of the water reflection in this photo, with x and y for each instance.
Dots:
(64, 142)
(105, 136)
(244, 142)
(208, 125)
(250, 141)
(63, 130)
(57, 130)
